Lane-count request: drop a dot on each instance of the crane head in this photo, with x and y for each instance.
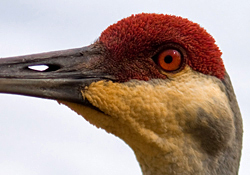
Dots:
(156, 81)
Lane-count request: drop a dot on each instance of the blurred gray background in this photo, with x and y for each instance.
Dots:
(39, 137)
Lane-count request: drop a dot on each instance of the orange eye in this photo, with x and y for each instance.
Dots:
(169, 60)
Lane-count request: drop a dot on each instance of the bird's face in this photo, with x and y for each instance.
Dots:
(156, 81)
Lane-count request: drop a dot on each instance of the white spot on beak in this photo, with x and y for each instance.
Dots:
(39, 68)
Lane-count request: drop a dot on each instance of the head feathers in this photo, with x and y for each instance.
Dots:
(141, 34)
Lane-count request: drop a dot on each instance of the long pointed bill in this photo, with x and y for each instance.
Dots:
(65, 74)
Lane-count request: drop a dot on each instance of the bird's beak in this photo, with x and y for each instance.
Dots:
(67, 73)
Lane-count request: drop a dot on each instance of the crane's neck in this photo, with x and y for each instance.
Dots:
(179, 126)
(156, 155)
(174, 159)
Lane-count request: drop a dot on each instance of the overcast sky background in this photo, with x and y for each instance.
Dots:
(39, 137)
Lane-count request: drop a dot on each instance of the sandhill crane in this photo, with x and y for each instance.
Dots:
(156, 81)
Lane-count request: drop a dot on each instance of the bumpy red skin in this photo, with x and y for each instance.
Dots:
(132, 42)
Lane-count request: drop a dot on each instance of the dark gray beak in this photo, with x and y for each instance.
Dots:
(67, 73)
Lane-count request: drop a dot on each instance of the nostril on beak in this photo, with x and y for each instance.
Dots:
(43, 68)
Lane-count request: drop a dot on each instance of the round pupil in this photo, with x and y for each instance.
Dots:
(168, 59)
